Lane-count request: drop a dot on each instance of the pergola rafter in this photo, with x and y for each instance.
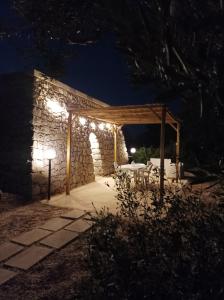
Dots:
(128, 115)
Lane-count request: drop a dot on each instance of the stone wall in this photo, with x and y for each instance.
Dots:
(33, 120)
(92, 141)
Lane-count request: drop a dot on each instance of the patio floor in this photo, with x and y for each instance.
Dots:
(95, 194)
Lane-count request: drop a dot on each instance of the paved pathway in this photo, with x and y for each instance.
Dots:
(29, 248)
(88, 197)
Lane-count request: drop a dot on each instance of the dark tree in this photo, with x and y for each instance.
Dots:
(177, 45)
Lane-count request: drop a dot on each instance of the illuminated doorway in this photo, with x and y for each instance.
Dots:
(96, 154)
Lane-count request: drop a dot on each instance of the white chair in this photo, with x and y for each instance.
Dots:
(148, 173)
(156, 163)
(171, 171)
(144, 174)
(148, 163)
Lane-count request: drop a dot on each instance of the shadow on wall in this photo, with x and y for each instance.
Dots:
(16, 133)
(96, 154)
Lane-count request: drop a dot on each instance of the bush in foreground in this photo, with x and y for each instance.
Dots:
(158, 250)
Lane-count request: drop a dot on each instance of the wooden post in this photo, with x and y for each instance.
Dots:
(162, 151)
(115, 143)
(178, 152)
(68, 156)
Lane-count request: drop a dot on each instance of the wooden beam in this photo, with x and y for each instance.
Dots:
(178, 152)
(97, 118)
(175, 128)
(160, 118)
(140, 114)
(157, 106)
(162, 151)
(68, 154)
(115, 144)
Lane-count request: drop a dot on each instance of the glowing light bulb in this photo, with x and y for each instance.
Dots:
(108, 126)
(55, 108)
(82, 121)
(50, 154)
(101, 126)
(133, 150)
(93, 125)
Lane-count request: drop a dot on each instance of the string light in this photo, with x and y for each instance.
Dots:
(82, 121)
(101, 126)
(93, 125)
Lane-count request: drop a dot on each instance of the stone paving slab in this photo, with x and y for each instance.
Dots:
(79, 225)
(5, 275)
(74, 214)
(29, 257)
(59, 239)
(30, 237)
(9, 249)
(55, 224)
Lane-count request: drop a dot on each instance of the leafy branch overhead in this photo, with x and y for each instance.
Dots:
(179, 44)
(175, 46)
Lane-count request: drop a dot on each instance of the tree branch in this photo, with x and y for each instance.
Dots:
(180, 61)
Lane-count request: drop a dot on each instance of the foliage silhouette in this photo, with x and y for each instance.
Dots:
(153, 250)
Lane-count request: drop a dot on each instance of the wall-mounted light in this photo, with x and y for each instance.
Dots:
(93, 125)
(108, 126)
(49, 154)
(82, 121)
(55, 108)
(101, 126)
(133, 150)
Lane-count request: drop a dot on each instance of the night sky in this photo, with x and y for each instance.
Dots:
(98, 70)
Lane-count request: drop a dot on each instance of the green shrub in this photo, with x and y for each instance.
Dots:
(142, 155)
(158, 250)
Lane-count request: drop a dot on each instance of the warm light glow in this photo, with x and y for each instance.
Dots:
(93, 140)
(93, 125)
(82, 121)
(37, 154)
(108, 126)
(37, 158)
(133, 150)
(55, 108)
(101, 126)
(50, 154)
(96, 154)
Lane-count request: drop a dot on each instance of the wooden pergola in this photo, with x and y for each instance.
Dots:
(127, 115)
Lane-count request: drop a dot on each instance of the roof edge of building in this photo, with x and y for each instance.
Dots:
(38, 74)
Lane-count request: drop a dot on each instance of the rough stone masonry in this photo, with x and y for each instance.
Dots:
(33, 120)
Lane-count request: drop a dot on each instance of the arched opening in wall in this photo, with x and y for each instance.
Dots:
(96, 154)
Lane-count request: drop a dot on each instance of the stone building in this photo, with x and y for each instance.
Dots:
(34, 120)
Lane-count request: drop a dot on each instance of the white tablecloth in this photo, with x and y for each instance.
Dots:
(132, 167)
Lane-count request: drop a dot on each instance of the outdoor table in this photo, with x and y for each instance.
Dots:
(134, 168)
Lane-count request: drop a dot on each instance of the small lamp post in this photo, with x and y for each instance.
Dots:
(133, 150)
(50, 154)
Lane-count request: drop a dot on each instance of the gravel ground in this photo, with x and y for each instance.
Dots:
(60, 275)
(17, 217)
